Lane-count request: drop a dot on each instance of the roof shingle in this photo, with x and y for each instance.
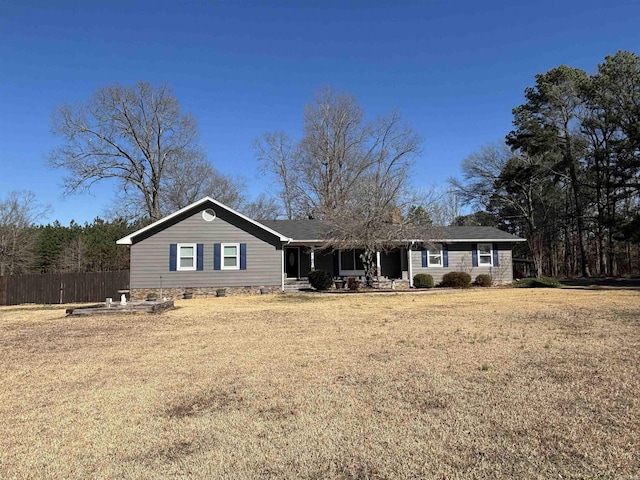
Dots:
(307, 230)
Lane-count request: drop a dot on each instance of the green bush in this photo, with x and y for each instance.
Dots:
(483, 280)
(320, 280)
(423, 280)
(544, 282)
(456, 280)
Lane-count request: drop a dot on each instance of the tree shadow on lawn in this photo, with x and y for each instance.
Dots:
(602, 283)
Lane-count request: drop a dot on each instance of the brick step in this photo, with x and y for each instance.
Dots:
(296, 285)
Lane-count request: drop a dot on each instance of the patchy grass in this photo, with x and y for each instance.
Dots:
(509, 383)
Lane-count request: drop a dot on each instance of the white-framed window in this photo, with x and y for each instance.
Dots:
(434, 258)
(485, 255)
(186, 256)
(230, 253)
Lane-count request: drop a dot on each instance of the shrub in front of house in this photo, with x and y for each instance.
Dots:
(353, 283)
(483, 280)
(320, 280)
(544, 282)
(456, 280)
(423, 280)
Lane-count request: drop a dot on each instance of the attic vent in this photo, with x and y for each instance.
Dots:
(208, 215)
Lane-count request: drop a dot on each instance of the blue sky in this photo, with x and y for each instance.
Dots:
(454, 70)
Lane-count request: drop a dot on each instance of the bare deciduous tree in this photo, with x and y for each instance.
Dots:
(184, 184)
(74, 256)
(18, 212)
(137, 135)
(263, 208)
(338, 155)
(438, 207)
(278, 156)
(514, 183)
(348, 171)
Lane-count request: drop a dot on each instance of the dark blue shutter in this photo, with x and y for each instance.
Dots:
(336, 263)
(424, 258)
(173, 257)
(243, 256)
(216, 256)
(445, 255)
(474, 254)
(200, 257)
(496, 260)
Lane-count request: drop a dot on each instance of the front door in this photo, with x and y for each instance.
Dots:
(292, 261)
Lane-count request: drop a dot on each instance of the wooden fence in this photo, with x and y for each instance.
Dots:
(49, 288)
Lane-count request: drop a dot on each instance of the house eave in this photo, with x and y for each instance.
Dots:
(481, 240)
(319, 242)
(306, 242)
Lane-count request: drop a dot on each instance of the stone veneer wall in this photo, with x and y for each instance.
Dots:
(396, 284)
(140, 294)
(383, 284)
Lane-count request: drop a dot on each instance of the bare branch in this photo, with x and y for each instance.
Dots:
(134, 134)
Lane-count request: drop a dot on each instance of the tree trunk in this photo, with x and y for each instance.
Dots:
(577, 198)
(369, 267)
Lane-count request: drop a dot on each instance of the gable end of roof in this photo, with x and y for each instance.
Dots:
(129, 239)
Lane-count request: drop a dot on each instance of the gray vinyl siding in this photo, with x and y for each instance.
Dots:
(150, 256)
(460, 261)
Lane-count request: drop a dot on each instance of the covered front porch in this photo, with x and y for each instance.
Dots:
(299, 260)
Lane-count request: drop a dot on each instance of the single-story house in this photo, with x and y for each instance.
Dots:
(207, 245)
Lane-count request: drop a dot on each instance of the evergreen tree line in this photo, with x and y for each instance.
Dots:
(567, 178)
(80, 248)
(55, 248)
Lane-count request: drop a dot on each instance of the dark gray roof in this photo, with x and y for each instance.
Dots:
(301, 230)
(296, 229)
(477, 233)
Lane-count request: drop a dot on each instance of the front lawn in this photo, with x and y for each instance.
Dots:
(496, 383)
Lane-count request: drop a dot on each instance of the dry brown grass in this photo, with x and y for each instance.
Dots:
(478, 384)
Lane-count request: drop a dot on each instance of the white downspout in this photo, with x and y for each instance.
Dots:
(410, 266)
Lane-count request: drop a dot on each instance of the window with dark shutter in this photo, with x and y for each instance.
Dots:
(200, 257)
(173, 257)
(243, 256)
(474, 254)
(216, 256)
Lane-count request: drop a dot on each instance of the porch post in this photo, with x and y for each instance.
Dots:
(409, 266)
(313, 258)
(378, 268)
(282, 274)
